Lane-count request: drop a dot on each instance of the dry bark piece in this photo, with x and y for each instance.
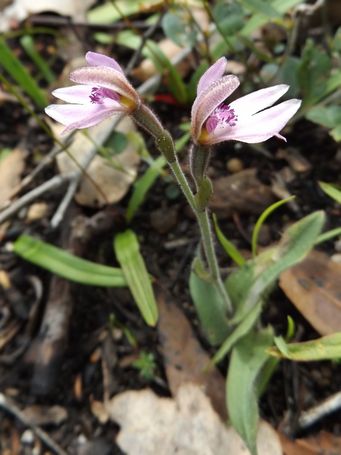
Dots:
(314, 287)
(186, 425)
(11, 168)
(242, 192)
(185, 359)
(45, 415)
(114, 182)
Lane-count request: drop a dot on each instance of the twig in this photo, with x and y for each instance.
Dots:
(52, 184)
(63, 21)
(318, 412)
(9, 406)
(144, 38)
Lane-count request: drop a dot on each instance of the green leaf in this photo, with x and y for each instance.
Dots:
(19, 73)
(228, 246)
(333, 191)
(28, 44)
(229, 17)
(210, 308)
(324, 348)
(261, 7)
(240, 331)
(162, 63)
(107, 13)
(143, 185)
(336, 133)
(127, 250)
(261, 220)
(328, 235)
(177, 28)
(313, 73)
(328, 116)
(259, 19)
(247, 360)
(116, 142)
(256, 277)
(67, 265)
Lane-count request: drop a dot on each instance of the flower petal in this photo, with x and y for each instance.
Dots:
(105, 77)
(79, 94)
(209, 99)
(214, 72)
(259, 127)
(257, 101)
(96, 59)
(79, 116)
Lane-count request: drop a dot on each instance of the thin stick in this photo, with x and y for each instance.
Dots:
(9, 406)
(318, 412)
(52, 184)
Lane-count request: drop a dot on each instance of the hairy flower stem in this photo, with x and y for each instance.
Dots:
(147, 120)
(206, 234)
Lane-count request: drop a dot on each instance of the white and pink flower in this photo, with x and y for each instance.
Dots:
(103, 91)
(247, 119)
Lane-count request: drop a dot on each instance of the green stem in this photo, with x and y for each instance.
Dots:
(164, 142)
(183, 183)
(206, 234)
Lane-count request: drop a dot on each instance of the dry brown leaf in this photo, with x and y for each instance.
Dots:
(314, 287)
(323, 443)
(113, 181)
(186, 425)
(99, 410)
(242, 192)
(21, 9)
(11, 167)
(185, 359)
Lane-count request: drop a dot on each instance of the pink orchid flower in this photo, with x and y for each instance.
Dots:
(104, 91)
(247, 119)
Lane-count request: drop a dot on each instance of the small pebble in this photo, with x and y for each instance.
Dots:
(27, 437)
(234, 165)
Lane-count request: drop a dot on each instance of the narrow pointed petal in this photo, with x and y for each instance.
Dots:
(257, 101)
(78, 94)
(209, 99)
(92, 120)
(105, 77)
(258, 127)
(213, 73)
(96, 59)
(83, 115)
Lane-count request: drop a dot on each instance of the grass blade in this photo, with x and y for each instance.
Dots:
(28, 44)
(19, 73)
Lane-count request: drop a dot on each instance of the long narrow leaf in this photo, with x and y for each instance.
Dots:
(128, 254)
(142, 186)
(247, 360)
(28, 44)
(66, 264)
(18, 72)
(261, 220)
(228, 246)
(324, 348)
